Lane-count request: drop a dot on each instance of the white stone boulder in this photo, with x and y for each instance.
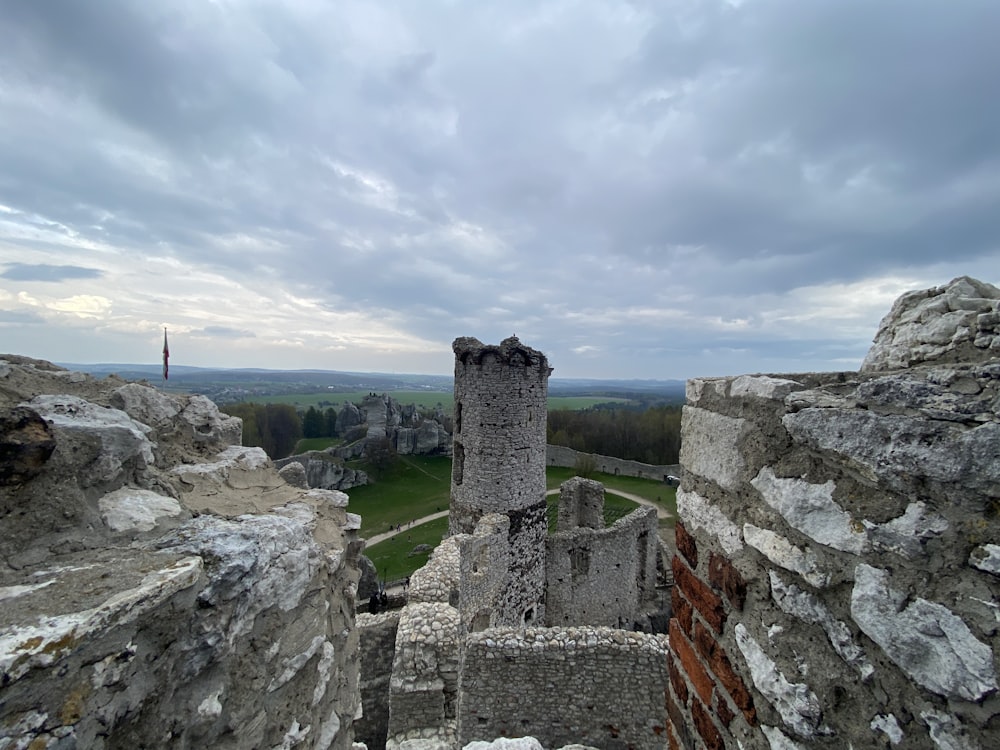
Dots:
(132, 509)
(98, 443)
(956, 322)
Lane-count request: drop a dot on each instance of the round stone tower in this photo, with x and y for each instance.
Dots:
(498, 463)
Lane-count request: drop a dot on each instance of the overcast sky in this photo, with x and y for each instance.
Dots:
(652, 189)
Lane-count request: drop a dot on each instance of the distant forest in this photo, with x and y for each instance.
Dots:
(651, 435)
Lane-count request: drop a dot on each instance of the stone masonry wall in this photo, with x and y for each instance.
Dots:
(498, 464)
(594, 686)
(836, 583)
(559, 455)
(601, 576)
(377, 637)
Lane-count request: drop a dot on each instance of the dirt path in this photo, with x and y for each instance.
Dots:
(372, 540)
(661, 512)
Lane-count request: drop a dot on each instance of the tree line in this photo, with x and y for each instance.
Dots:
(274, 427)
(652, 435)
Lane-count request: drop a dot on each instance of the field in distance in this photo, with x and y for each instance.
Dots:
(423, 399)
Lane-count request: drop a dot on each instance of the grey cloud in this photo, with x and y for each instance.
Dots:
(689, 154)
(224, 332)
(16, 317)
(46, 272)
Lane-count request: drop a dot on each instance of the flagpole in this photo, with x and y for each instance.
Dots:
(166, 354)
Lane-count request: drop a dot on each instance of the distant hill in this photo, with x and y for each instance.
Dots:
(237, 384)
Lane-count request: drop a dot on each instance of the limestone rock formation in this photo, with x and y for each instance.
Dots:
(324, 470)
(956, 322)
(163, 586)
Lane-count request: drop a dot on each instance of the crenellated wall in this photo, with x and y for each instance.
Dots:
(836, 582)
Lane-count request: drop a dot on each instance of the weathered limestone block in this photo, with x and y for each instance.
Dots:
(960, 393)
(810, 508)
(924, 639)
(710, 447)
(869, 443)
(699, 513)
(986, 557)
(797, 705)
(101, 445)
(956, 322)
(808, 608)
(295, 474)
(132, 509)
(781, 552)
(208, 426)
(147, 405)
(763, 386)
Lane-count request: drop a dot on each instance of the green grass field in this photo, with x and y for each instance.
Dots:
(394, 558)
(421, 485)
(417, 486)
(315, 444)
(426, 400)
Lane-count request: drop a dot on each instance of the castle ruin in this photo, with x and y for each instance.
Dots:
(837, 580)
(508, 630)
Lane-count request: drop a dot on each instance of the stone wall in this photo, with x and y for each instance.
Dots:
(597, 575)
(558, 455)
(836, 582)
(594, 686)
(377, 638)
(498, 463)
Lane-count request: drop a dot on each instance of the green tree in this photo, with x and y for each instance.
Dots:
(381, 456)
(313, 424)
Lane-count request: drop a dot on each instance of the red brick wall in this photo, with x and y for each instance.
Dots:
(705, 694)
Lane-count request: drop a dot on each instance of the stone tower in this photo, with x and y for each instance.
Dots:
(498, 466)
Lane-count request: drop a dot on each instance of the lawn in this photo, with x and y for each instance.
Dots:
(415, 487)
(421, 485)
(315, 444)
(394, 558)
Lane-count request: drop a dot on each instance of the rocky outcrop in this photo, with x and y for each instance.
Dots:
(163, 586)
(407, 431)
(325, 470)
(956, 322)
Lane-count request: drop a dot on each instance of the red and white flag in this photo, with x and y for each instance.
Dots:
(166, 354)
